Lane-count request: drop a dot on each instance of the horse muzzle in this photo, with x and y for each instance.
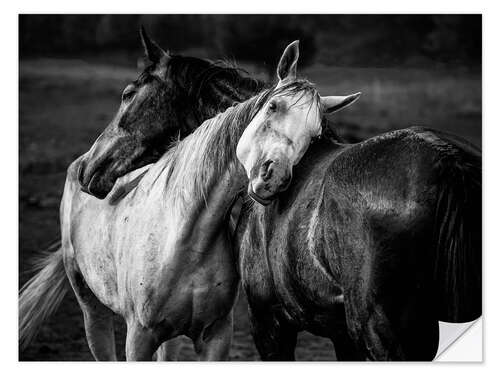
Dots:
(270, 179)
(94, 180)
(98, 170)
(256, 198)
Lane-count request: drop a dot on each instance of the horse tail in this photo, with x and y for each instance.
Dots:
(457, 234)
(42, 294)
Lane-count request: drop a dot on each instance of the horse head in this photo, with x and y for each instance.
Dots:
(281, 131)
(170, 98)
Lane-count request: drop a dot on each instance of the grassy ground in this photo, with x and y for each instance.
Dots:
(65, 104)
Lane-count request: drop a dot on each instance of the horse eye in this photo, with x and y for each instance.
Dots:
(127, 95)
(273, 106)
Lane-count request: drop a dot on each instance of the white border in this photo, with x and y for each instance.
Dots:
(467, 346)
(254, 6)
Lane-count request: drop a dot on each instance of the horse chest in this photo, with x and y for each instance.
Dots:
(283, 264)
(256, 277)
(302, 277)
(185, 290)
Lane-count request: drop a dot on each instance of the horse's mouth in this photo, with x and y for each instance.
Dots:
(100, 183)
(96, 188)
(104, 177)
(255, 197)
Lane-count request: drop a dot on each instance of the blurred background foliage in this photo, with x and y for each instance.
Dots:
(354, 40)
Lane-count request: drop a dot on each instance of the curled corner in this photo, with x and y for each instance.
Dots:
(460, 342)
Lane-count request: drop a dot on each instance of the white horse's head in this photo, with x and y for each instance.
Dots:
(280, 133)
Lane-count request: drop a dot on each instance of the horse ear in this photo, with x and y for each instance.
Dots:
(287, 67)
(152, 50)
(336, 103)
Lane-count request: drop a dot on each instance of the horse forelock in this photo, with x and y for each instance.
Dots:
(304, 87)
(301, 88)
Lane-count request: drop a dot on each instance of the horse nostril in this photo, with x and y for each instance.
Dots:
(81, 172)
(266, 170)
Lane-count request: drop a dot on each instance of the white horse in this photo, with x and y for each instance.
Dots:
(161, 256)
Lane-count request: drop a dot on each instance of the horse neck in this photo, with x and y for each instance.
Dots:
(203, 176)
(209, 219)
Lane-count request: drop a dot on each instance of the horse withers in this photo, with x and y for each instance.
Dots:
(370, 245)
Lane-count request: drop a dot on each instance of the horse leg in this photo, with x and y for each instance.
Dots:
(381, 340)
(417, 326)
(420, 339)
(345, 347)
(274, 338)
(141, 342)
(98, 319)
(215, 341)
(169, 350)
(400, 328)
(100, 332)
(414, 338)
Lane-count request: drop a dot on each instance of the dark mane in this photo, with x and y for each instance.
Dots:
(198, 89)
(213, 86)
(329, 131)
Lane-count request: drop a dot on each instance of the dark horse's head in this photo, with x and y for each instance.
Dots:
(170, 98)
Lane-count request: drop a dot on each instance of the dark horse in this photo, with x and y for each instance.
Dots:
(371, 245)
(168, 101)
(384, 236)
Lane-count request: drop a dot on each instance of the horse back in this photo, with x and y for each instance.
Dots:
(407, 205)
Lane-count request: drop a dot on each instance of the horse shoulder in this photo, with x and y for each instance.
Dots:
(87, 236)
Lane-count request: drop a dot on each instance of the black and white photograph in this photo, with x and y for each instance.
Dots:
(248, 187)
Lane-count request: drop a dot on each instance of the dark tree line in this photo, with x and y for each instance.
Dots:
(331, 39)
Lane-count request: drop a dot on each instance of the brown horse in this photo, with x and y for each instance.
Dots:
(168, 101)
(370, 244)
